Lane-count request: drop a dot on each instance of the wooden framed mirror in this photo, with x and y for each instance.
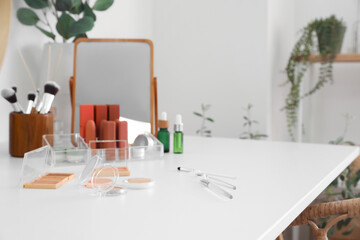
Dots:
(116, 71)
(5, 18)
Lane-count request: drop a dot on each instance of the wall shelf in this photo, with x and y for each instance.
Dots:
(341, 57)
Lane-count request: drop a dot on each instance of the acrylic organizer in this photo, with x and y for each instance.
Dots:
(145, 147)
(38, 170)
(110, 150)
(26, 131)
(67, 149)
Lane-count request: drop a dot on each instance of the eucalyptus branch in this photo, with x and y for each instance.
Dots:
(47, 22)
(74, 18)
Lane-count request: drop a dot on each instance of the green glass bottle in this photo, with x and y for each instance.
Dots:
(164, 134)
(178, 135)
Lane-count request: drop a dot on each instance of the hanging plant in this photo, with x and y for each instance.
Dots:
(329, 33)
(73, 18)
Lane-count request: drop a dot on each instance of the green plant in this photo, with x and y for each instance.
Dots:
(74, 18)
(344, 186)
(248, 122)
(203, 130)
(329, 32)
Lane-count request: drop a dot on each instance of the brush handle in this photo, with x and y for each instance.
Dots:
(17, 107)
(49, 98)
(37, 96)
(214, 188)
(182, 169)
(218, 175)
(221, 182)
(41, 104)
(29, 107)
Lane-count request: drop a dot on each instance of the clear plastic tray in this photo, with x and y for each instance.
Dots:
(67, 148)
(145, 147)
(110, 150)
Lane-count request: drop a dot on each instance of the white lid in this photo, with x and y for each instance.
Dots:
(163, 116)
(178, 126)
(178, 119)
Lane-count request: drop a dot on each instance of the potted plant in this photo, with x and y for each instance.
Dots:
(322, 36)
(62, 21)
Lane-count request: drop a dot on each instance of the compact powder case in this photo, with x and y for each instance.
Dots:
(100, 179)
(139, 183)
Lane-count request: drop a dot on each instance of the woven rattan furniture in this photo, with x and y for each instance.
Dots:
(339, 209)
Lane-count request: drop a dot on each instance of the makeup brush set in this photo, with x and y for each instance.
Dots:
(26, 127)
(213, 181)
(41, 107)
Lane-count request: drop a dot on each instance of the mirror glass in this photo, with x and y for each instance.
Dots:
(116, 72)
(5, 15)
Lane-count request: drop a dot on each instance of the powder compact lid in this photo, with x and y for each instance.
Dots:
(93, 179)
(139, 183)
(88, 171)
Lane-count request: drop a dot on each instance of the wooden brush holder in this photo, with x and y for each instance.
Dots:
(26, 131)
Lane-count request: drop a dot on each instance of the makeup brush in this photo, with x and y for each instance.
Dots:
(10, 95)
(37, 96)
(50, 90)
(31, 98)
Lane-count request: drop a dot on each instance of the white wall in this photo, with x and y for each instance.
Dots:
(125, 19)
(281, 33)
(30, 41)
(213, 52)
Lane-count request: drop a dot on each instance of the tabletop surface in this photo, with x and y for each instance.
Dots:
(275, 182)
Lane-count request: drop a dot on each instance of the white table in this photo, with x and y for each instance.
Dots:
(276, 181)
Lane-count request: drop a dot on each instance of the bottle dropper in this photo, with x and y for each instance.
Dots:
(178, 134)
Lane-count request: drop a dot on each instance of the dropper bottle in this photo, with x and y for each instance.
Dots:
(178, 135)
(164, 134)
